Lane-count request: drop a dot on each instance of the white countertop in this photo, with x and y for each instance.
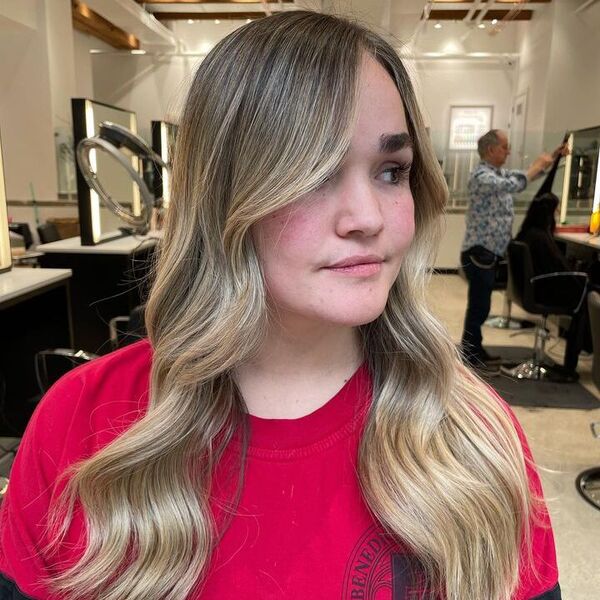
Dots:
(122, 245)
(585, 239)
(20, 281)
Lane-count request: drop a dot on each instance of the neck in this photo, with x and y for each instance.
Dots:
(299, 368)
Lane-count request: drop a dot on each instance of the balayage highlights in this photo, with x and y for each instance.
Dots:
(268, 118)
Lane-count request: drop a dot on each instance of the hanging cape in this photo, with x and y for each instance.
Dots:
(548, 182)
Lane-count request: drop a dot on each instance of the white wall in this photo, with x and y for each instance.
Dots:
(444, 83)
(153, 87)
(560, 70)
(573, 92)
(26, 115)
(84, 79)
(534, 50)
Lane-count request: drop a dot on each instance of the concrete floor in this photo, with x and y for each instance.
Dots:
(561, 441)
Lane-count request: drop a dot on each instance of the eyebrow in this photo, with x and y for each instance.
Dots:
(389, 143)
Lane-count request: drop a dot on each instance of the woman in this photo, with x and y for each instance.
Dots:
(537, 231)
(298, 425)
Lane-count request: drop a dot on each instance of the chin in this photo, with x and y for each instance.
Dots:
(351, 317)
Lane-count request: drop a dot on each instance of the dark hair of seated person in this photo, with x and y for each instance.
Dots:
(537, 231)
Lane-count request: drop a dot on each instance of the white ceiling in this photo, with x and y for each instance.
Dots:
(400, 18)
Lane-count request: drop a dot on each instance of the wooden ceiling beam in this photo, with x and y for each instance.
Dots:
(90, 22)
(459, 15)
(205, 16)
(211, 1)
(469, 1)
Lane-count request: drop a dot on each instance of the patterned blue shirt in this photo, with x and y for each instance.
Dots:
(490, 214)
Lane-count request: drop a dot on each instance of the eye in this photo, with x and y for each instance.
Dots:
(396, 174)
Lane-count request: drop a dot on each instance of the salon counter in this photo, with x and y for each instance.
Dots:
(121, 246)
(109, 280)
(19, 284)
(34, 315)
(582, 239)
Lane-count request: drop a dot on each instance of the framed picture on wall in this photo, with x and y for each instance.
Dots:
(467, 125)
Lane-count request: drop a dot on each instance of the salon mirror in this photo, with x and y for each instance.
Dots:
(578, 178)
(98, 223)
(121, 144)
(5, 256)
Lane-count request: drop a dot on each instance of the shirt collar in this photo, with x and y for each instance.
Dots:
(485, 163)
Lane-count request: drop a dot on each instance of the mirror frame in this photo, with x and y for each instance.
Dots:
(87, 199)
(4, 231)
(160, 145)
(566, 188)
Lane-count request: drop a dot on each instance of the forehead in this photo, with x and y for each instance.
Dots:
(380, 108)
(502, 138)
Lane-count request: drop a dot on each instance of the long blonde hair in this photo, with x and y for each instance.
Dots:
(268, 118)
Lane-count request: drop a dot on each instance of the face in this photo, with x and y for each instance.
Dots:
(332, 256)
(497, 155)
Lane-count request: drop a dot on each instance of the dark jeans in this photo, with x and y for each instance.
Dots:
(578, 335)
(576, 338)
(479, 266)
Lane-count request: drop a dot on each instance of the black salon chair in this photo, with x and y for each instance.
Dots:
(51, 364)
(24, 231)
(48, 232)
(528, 291)
(588, 482)
(127, 329)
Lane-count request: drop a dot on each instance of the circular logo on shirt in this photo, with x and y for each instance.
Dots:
(378, 569)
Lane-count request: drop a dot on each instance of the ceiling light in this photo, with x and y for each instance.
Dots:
(481, 25)
(494, 21)
(190, 21)
(438, 25)
(138, 52)
(217, 22)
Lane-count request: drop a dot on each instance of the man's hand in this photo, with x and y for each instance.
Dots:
(540, 164)
(562, 150)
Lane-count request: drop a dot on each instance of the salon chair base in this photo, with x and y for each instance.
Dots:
(528, 370)
(588, 485)
(500, 322)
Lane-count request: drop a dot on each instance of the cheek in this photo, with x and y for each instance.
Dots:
(402, 223)
(288, 235)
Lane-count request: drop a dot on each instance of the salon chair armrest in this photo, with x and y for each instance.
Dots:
(64, 359)
(558, 279)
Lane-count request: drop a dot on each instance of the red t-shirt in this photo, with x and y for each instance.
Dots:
(301, 530)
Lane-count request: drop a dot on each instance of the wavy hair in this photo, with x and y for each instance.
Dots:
(268, 118)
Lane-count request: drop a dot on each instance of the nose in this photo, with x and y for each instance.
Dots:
(359, 211)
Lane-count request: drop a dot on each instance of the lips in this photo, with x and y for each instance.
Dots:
(353, 261)
(364, 266)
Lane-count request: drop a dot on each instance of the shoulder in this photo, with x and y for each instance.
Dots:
(480, 170)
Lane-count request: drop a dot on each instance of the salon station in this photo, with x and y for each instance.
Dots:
(89, 105)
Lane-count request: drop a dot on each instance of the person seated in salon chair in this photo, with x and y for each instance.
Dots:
(537, 231)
